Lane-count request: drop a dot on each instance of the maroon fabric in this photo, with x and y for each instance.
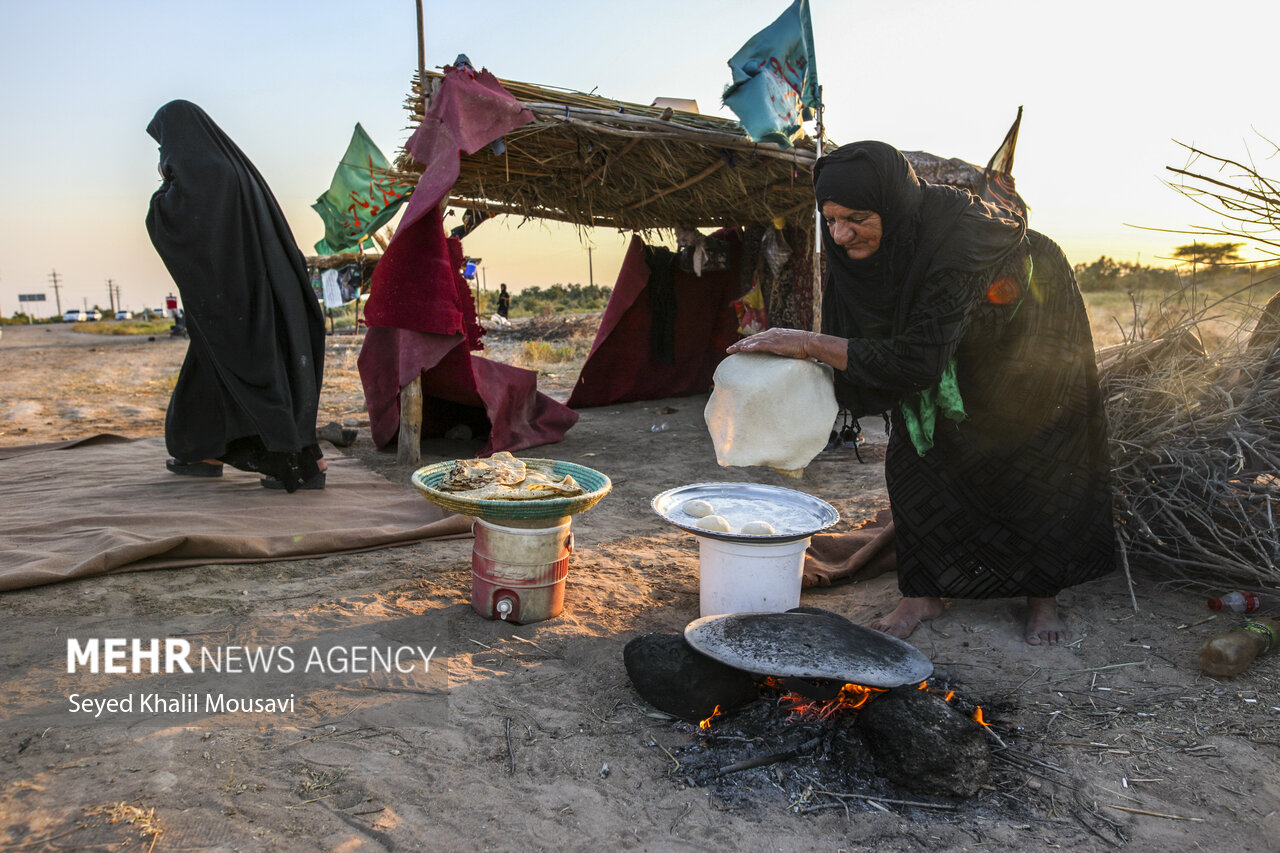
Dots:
(420, 310)
(418, 284)
(621, 365)
(468, 110)
(457, 387)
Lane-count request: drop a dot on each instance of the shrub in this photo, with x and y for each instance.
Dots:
(1106, 274)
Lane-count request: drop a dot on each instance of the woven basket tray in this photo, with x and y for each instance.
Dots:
(597, 485)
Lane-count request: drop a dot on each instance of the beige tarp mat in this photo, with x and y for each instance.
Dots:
(107, 504)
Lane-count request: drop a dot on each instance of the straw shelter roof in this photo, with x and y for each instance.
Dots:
(593, 161)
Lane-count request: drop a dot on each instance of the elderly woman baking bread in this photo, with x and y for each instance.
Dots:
(970, 330)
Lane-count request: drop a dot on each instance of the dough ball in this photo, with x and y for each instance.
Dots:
(757, 527)
(716, 523)
(698, 509)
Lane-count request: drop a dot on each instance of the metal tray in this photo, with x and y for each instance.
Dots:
(794, 515)
(808, 643)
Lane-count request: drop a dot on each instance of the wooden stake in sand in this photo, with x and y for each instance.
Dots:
(408, 448)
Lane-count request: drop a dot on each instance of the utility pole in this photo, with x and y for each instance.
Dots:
(57, 295)
(119, 301)
(111, 297)
(591, 277)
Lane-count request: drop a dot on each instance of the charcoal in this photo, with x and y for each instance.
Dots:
(922, 744)
(672, 677)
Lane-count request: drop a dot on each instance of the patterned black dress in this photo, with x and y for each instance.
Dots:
(1013, 497)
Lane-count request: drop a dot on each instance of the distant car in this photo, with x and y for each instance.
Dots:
(93, 314)
(73, 315)
(124, 315)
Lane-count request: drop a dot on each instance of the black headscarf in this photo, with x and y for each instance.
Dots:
(249, 389)
(925, 228)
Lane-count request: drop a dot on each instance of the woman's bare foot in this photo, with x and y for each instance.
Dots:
(909, 613)
(1044, 626)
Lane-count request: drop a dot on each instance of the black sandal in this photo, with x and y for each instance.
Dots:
(193, 469)
(314, 484)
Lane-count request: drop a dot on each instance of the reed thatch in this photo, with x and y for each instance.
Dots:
(593, 161)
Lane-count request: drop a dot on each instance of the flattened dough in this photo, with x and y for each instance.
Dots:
(770, 410)
(716, 523)
(698, 509)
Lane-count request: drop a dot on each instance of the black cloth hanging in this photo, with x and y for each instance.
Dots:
(662, 303)
(249, 388)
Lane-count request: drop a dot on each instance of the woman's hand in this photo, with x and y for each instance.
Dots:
(796, 343)
(791, 343)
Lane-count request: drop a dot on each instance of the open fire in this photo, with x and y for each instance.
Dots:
(749, 736)
(850, 699)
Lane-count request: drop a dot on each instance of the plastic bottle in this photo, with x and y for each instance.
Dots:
(1232, 652)
(1240, 602)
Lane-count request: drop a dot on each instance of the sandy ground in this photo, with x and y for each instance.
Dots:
(1113, 742)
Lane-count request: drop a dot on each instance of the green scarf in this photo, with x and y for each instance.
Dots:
(920, 410)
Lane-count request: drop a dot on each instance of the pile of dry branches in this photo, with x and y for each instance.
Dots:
(1196, 454)
(1196, 434)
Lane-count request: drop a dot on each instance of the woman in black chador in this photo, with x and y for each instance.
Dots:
(249, 389)
(970, 330)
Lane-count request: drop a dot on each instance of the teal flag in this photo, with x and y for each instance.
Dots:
(361, 199)
(775, 78)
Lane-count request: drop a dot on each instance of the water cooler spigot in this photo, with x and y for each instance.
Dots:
(504, 607)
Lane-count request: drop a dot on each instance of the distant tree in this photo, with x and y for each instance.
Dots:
(1209, 253)
(1107, 274)
(559, 299)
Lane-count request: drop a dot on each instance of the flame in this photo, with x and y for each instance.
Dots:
(978, 718)
(946, 697)
(706, 724)
(850, 698)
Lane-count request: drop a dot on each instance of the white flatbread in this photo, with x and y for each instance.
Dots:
(771, 411)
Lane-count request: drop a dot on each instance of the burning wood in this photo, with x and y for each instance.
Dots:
(918, 740)
(849, 700)
(912, 736)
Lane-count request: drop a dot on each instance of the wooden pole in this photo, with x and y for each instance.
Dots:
(409, 446)
(817, 239)
(422, 57)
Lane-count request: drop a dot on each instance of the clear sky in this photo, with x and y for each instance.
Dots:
(1107, 87)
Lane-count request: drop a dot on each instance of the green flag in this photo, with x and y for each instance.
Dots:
(361, 199)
